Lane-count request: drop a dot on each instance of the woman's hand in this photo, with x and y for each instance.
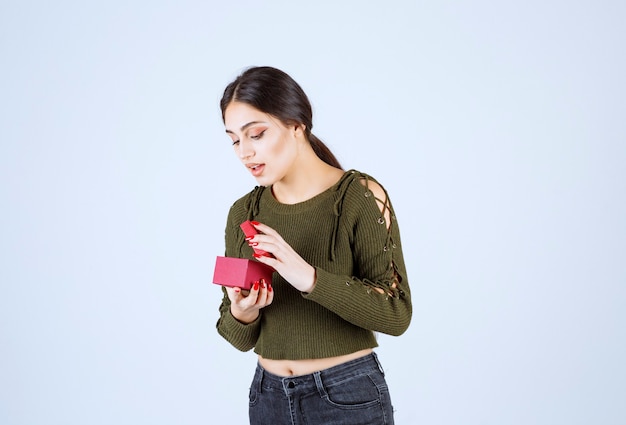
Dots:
(245, 305)
(286, 261)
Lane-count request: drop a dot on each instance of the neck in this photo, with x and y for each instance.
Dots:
(307, 179)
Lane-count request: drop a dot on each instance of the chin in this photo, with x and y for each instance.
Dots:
(264, 181)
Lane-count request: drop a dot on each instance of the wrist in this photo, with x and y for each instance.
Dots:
(312, 282)
(244, 317)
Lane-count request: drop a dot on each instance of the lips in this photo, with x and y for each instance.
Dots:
(256, 169)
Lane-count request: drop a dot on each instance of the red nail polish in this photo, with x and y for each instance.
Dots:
(255, 223)
(253, 243)
(256, 285)
(269, 288)
(237, 290)
(255, 255)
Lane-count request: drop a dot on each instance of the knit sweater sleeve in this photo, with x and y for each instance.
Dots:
(377, 297)
(241, 336)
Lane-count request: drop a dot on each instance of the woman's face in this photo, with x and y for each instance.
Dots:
(265, 146)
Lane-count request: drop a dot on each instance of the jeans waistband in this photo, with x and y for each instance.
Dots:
(270, 381)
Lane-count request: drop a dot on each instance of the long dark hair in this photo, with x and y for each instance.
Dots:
(274, 92)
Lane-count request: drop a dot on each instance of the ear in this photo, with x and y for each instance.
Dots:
(299, 130)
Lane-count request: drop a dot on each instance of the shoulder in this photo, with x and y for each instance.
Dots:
(373, 186)
(364, 184)
(368, 191)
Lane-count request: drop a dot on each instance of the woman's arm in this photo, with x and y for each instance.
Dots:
(378, 296)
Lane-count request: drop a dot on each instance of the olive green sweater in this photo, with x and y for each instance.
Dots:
(343, 234)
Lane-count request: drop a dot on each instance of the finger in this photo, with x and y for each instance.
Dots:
(253, 295)
(270, 295)
(241, 297)
(263, 228)
(273, 262)
(265, 293)
(241, 293)
(262, 243)
(261, 299)
(233, 294)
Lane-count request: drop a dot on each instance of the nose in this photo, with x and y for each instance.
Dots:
(245, 150)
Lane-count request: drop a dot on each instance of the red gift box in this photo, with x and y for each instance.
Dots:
(240, 272)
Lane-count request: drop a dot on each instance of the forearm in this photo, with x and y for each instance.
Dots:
(357, 302)
(242, 334)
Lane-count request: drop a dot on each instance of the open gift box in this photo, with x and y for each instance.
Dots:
(240, 272)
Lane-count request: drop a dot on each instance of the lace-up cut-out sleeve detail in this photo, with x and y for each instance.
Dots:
(376, 296)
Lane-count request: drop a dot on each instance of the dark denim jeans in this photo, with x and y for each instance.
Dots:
(353, 393)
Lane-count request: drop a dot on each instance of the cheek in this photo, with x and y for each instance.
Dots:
(281, 150)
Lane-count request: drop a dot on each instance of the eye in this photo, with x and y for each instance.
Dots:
(235, 142)
(258, 136)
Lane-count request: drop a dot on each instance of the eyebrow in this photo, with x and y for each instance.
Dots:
(243, 127)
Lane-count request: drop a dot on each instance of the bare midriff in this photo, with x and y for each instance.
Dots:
(307, 366)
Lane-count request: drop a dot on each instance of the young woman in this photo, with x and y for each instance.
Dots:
(339, 271)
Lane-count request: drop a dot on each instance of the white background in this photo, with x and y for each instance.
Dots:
(498, 128)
